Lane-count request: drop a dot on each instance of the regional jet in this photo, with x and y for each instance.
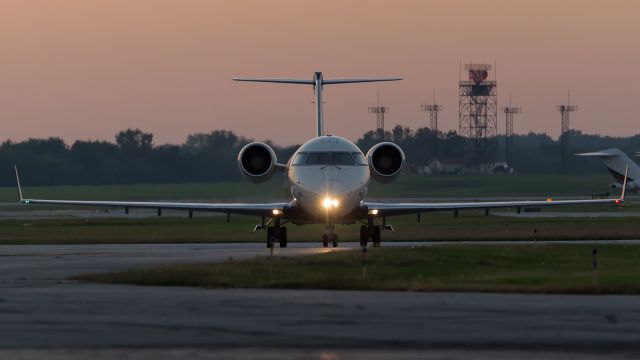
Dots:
(616, 162)
(328, 178)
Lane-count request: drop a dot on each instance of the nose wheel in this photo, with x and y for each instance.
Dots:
(330, 238)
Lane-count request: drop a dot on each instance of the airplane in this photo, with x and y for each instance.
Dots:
(616, 162)
(328, 177)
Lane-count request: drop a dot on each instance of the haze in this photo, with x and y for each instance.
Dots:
(82, 69)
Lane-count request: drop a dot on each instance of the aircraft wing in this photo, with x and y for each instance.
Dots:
(261, 209)
(265, 209)
(391, 209)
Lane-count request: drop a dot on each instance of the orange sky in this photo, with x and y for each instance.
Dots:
(83, 69)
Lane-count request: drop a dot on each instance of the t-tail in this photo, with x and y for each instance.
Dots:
(617, 162)
(318, 82)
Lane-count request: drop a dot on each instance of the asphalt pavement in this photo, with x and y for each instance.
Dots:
(44, 314)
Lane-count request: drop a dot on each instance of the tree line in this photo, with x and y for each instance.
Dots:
(210, 157)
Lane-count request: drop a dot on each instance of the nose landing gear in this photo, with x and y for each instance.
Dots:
(330, 237)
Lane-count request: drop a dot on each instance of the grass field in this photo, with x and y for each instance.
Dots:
(405, 186)
(523, 268)
(434, 227)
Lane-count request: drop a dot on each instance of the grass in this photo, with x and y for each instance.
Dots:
(470, 225)
(493, 185)
(405, 186)
(523, 268)
(145, 192)
(435, 226)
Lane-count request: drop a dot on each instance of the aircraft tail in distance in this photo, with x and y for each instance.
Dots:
(616, 162)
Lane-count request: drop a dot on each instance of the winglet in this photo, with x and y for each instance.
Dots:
(15, 167)
(624, 183)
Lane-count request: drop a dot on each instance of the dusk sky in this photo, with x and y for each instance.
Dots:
(85, 69)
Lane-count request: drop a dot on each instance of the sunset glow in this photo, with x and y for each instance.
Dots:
(87, 69)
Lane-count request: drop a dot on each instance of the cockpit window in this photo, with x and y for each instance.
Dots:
(318, 158)
(300, 159)
(329, 158)
(360, 159)
(342, 158)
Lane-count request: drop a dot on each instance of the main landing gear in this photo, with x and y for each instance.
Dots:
(370, 232)
(275, 234)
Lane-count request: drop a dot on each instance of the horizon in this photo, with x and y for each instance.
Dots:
(276, 144)
(79, 70)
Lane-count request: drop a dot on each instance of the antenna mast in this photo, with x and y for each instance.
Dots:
(509, 111)
(379, 110)
(433, 110)
(565, 111)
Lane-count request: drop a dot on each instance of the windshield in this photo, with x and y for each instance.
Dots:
(329, 158)
(300, 159)
(360, 159)
(343, 159)
(318, 158)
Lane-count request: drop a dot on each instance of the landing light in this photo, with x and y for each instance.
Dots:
(329, 203)
(373, 212)
(276, 212)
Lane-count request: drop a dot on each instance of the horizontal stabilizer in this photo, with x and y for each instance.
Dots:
(603, 153)
(312, 82)
(281, 81)
(318, 82)
(351, 81)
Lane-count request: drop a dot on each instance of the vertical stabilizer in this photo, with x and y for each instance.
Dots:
(317, 87)
(616, 162)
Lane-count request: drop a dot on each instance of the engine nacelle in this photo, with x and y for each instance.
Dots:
(257, 161)
(385, 161)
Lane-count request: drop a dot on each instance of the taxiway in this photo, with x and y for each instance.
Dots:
(42, 310)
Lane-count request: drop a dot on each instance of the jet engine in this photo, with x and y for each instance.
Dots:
(257, 161)
(385, 161)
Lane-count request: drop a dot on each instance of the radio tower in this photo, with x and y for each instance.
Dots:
(565, 111)
(478, 112)
(509, 111)
(379, 111)
(433, 110)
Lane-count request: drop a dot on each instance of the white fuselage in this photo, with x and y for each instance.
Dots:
(328, 176)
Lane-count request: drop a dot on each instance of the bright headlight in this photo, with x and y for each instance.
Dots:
(326, 203)
(329, 203)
